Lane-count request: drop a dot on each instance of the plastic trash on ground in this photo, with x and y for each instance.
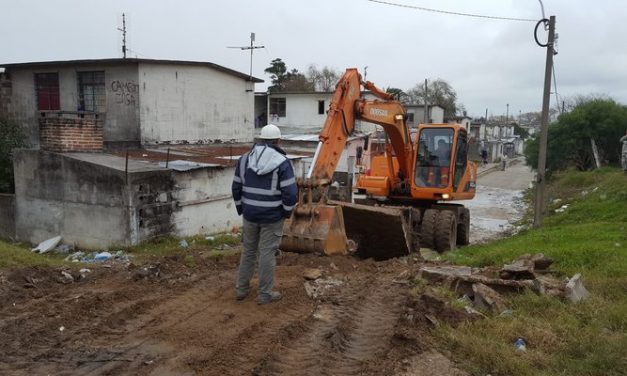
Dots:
(47, 245)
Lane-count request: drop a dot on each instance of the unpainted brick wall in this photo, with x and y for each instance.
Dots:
(66, 132)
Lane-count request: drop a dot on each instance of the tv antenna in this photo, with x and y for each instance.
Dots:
(123, 30)
(252, 47)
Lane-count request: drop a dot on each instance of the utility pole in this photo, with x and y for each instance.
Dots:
(539, 207)
(507, 114)
(426, 119)
(123, 30)
(251, 48)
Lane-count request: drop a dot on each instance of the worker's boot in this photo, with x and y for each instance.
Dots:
(273, 296)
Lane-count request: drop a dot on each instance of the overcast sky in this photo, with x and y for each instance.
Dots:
(489, 62)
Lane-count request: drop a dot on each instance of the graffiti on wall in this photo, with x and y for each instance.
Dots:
(125, 92)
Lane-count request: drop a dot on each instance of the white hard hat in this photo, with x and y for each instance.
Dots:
(270, 132)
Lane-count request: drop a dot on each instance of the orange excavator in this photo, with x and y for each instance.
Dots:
(407, 191)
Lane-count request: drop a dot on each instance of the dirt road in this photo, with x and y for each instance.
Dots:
(178, 316)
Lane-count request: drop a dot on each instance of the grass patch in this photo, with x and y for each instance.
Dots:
(14, 255)
(218, 246)
(589, 338)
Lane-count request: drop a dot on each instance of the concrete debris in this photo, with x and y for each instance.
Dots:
(527, 272)
(430, 255)
(522, 268)
(487, 298)
(64, 249)
(312, 274)
(47, 245)
(68, 277)
(321, 286)
(562, 208)
(541, 262)
(441, 273)
(575, 290)
(150, 271)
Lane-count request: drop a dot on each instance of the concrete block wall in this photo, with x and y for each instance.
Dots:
(70, 131)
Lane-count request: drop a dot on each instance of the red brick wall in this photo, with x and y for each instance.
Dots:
(67, 131)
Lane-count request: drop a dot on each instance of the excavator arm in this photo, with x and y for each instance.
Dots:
(346, 107)
(314, 225)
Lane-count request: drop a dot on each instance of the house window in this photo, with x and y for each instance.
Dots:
(320, 107)
(47, 91)
(277, 107)
(410, 117)
(91, 91)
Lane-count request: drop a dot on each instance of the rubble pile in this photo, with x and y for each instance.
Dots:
(484, 287)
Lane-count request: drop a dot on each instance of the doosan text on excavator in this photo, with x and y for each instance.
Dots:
(408, 190)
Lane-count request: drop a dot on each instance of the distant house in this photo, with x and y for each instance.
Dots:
(136, 101)
(497, 138)
(416, 114)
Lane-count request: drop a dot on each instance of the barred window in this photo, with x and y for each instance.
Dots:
(277, 107)
(47, 91)
(91, 91)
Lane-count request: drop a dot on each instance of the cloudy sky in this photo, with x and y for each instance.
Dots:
(490, 63)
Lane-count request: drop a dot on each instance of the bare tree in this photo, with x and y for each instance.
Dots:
(323, 79)
(439, 92)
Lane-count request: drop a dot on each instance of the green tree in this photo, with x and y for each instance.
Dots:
(569, 143)
(296, 81)
(397, 93)
(439, 92)
(277, 71)
(11, 137)
(522, 132)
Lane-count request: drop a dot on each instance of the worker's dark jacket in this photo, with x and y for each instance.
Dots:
(264, 187)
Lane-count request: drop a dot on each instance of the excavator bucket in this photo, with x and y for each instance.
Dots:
(317, 228)
(379, 232)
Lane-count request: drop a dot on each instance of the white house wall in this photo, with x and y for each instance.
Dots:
(205, 204)
(192, 104)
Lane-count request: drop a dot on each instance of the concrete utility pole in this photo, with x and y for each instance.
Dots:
(540, 206)
(507, 114)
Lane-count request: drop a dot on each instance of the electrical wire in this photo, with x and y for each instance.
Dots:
(452, 13)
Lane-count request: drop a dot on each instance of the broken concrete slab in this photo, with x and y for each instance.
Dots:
(487, 298)
(47, 245)
(521, 268)
(548, 285)
(541, 262)
(575, 290)
(442, 273)
(461, 279)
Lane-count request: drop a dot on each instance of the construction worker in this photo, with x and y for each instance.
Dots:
(624, 152)
(264, 190)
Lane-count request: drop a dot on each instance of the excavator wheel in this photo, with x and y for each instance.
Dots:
(427, 230)
(445, 231)
(463, 228)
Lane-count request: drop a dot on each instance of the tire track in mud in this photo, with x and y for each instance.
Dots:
(342, 337)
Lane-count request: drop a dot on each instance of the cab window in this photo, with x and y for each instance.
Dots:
(434, 157)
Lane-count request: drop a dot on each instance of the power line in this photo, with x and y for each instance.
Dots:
(452, 13)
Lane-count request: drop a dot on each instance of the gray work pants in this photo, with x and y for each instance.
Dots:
(624, 161)
(259, 240)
